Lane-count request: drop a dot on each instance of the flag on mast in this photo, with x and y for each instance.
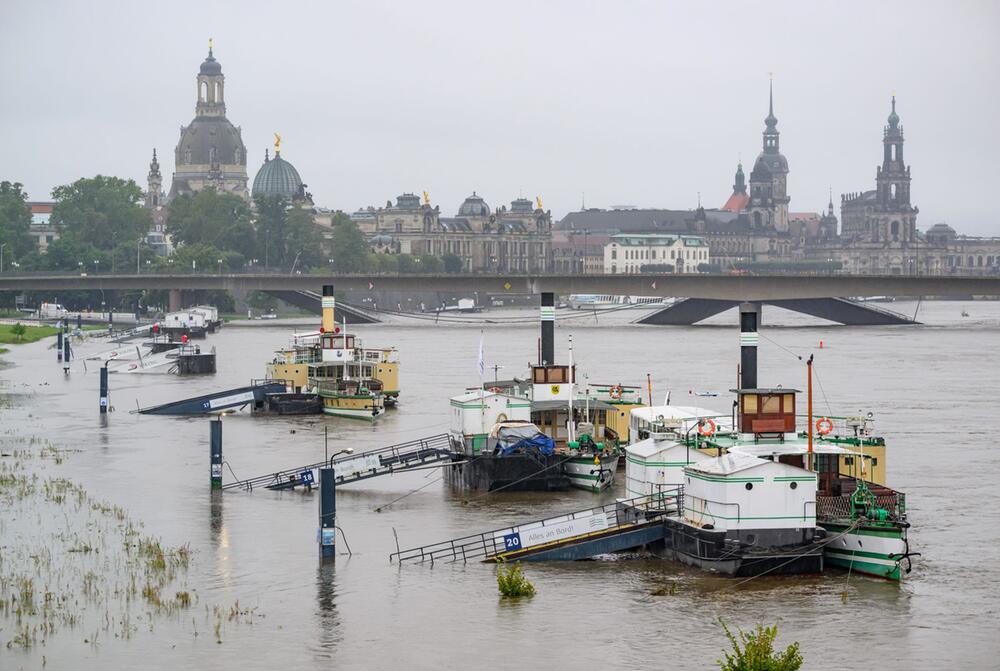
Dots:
(482, 362)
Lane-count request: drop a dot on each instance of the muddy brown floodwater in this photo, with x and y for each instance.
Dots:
(933, 388)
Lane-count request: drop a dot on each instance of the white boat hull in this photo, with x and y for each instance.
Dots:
(583, 473)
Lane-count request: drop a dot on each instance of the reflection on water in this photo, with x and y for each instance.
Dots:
(930, 388)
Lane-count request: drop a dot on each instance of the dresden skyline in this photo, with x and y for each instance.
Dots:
(645, 108)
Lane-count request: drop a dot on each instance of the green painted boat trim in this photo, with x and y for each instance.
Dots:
(712, 478)
(741, 518)
(870, 568)
(640, 462)
(860, 553)
(837, 527)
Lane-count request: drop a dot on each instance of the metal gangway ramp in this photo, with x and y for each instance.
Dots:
(614, 527)
(352, 468)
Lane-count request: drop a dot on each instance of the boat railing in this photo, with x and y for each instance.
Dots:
(842, 507)
(494, 543)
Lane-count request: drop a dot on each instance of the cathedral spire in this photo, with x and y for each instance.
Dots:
(771, 121)
(740, 185)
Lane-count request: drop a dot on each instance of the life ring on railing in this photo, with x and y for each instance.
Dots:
(495, 390)
(615, 392)
(824, 425)
(707, 427)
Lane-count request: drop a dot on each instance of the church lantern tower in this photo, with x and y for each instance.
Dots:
(769, 178)
(210, 152)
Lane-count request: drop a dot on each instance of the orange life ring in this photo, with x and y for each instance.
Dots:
(707, 427)
(824, 425)
(615, 392)
(495, 390)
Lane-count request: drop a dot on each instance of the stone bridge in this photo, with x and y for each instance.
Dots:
(707, 294)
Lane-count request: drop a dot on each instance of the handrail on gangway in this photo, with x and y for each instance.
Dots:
(361, 466)
(578, 525)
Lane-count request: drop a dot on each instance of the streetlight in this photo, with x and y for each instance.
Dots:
(96, 265)
(220, 266)
(138, 243)
(1, 256)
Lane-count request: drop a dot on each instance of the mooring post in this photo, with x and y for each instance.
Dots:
(327, 535)
(548, 315)
(104, 388)
(79, 321)
(749, 321)
(59, 343)
(215, 449)
(65, 356)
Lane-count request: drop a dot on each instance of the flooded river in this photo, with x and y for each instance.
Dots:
(933, 388)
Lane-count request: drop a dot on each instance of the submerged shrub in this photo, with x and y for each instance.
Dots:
(512, 583)
(754, 651)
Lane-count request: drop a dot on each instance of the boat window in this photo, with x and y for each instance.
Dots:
(771, 404)
(788, 403)
(750, 403)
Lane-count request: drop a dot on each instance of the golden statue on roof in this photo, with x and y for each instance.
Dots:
(538, 201)
(427, 199)
(277, 143)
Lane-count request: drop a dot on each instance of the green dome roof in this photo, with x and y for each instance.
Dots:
(278, 177)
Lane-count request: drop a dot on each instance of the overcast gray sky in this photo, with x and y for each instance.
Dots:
(641, 103)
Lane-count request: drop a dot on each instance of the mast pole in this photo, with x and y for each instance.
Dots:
(809, 404)
(649, 389)
(572, 389)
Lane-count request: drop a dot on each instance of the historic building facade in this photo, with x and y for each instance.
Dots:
(210, 152)
(631, 253)
(514, 239)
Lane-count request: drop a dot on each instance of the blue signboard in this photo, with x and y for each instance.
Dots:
(328, 536)
(512, 542)
(306, 477)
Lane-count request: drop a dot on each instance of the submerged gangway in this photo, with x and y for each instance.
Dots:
(383, 461)
(614, 527)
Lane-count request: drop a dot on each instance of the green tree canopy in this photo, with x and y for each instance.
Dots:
(303, 240)
(15, 221)
(102, 211)
(271, 220)
(200, 259)
(211, 218)
(349, 249)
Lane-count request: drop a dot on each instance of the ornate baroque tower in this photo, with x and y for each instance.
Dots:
(210, 153)
(894, 218)
(154, 184)
(769, 178)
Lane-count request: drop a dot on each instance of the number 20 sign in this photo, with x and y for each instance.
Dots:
(512, 542)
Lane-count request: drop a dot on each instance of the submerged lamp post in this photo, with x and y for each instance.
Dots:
(327, 533)
(104, 400)
(215, 452)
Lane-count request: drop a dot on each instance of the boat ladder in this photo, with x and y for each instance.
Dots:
(622, 525)
(352, 468)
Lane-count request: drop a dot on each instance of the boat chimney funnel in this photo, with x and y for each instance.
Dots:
(548, 315)
(749, 321)
(329, 304)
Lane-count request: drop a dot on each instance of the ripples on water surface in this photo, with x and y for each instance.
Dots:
(933, 389)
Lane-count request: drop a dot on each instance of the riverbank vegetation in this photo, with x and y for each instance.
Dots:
(12, 334)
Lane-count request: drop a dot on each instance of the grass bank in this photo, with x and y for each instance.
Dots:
(31, 334)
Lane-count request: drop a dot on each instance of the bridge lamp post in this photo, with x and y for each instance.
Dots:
(220, 266)
(1, 256)
(96, 265)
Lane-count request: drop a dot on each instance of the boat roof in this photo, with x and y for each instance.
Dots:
(577, 403)
(732, 462)
(477, 394)
(682, 412)
(651, 446)
(787, 448)
(767, 390)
